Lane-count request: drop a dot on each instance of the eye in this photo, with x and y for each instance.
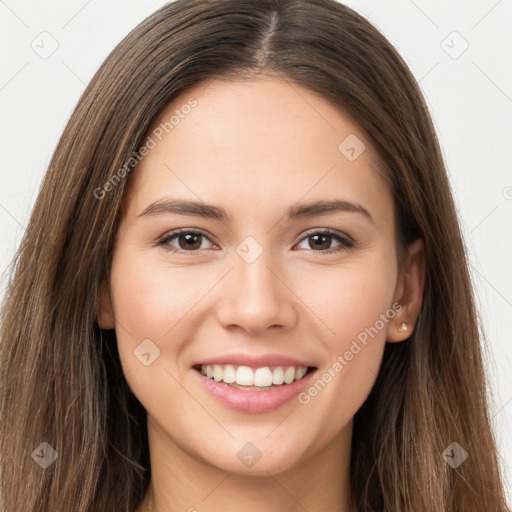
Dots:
(191, 241)
(187, 240)
(322, 240)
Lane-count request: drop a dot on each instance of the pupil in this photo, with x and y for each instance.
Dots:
(189, 237)
(328, 237)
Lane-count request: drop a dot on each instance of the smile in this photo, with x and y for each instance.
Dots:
(245, 377)
(253, 389)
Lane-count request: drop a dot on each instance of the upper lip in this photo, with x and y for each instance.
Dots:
(255, 361)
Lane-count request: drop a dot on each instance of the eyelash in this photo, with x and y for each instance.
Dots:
(345, 242)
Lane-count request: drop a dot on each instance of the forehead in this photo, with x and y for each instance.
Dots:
(262, 141)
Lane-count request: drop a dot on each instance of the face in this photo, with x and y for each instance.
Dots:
(259, 280)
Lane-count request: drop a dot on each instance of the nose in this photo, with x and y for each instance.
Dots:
(256, 296)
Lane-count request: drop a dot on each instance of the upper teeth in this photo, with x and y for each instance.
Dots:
(247, 376)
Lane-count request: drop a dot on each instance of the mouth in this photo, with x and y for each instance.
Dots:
(248, 378)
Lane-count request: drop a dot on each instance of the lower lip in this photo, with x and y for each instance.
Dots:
(250, 400)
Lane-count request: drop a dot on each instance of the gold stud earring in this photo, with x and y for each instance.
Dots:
(403, 327)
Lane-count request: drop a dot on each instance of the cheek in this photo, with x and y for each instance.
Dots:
(152, 297)
(355, 306)
(154, 313)
(151, 302)
(351, 299)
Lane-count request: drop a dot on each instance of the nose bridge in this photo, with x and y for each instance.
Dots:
(255, 296)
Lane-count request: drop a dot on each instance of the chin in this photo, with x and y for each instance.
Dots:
(257, 457)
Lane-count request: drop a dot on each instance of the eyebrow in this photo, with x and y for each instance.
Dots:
(196, 208)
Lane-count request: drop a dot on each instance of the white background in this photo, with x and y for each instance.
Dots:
(470, 98)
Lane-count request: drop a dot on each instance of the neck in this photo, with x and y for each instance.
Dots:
(181, 482)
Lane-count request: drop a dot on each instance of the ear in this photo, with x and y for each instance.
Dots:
(106, 318)
(408, 293)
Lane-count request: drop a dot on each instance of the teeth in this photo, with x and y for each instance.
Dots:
(229, 375)
(278, 376)
(260, 377)
(263, 377)
(289, 375)
(300, 372)
(217, 372)
(244, 376)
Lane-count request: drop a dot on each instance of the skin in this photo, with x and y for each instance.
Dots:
(255, 147)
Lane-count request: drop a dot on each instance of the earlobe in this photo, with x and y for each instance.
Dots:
(105, 313)
(409, 293)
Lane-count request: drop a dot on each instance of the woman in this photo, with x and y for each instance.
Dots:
(318, 346)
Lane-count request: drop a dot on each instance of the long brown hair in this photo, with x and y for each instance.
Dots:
(61, 381)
